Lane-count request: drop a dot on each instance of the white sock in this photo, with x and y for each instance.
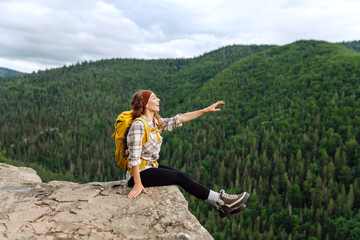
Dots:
(213, 197)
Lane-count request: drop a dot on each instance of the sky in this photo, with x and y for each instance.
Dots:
(44, 34)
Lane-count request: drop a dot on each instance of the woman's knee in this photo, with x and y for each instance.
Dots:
(183, 177)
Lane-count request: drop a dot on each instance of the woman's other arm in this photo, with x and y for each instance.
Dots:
(138, 187)
(134, 140)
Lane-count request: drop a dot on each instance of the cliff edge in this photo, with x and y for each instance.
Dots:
(31, 209)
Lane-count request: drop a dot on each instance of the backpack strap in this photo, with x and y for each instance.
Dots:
(147, 133)
(146, 137)
(157, 133)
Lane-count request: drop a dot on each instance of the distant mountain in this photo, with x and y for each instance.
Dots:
(5, 72)
(354, 45)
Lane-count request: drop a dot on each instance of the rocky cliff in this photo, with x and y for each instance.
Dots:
(31, 209)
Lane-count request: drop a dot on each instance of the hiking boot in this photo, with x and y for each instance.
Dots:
(231, 203)
(236, 210)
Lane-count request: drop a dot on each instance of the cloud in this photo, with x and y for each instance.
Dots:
(278, 21)
(51, 35)
(179, 48)
(39, 34)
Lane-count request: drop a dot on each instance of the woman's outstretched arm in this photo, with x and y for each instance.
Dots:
(186, 117)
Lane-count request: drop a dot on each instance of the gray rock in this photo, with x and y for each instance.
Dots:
(31, 209)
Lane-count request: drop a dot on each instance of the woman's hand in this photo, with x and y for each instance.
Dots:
(212, 108)
(136, 191)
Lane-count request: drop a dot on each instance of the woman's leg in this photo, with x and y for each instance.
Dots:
(227, 204)
(164, 176)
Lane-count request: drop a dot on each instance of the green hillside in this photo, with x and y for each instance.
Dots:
(288, 134)
(5, 72)
(62, 118)
(354, 45)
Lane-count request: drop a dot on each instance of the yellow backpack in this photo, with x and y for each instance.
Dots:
(122, 125)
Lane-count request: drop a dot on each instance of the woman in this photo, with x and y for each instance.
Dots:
(146, 105)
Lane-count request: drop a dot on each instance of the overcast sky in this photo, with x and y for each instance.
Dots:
(43, 34)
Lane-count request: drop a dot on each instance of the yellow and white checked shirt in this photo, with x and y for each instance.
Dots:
(151, 149)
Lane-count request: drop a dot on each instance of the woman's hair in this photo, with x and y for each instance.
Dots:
(138, 107)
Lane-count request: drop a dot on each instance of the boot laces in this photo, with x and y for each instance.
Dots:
(229, 196)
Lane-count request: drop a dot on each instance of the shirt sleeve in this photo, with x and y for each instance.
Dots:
(134, 142)
(171, 123)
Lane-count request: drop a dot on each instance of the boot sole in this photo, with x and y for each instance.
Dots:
(241, 208)
(227, 209)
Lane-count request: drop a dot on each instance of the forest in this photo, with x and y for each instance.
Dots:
(288, 134)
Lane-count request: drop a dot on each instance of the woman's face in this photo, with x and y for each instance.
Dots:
(153, 104)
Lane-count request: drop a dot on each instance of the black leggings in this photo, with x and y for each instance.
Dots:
(163, 176)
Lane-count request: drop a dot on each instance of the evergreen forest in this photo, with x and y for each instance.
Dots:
(289, 132)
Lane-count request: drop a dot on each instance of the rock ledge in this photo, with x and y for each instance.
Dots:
(31, 209)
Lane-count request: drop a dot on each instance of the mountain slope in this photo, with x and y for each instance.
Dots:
(288, 133)
(62, 118)
(5, 72)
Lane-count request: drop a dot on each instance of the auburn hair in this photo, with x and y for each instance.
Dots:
(138, 107)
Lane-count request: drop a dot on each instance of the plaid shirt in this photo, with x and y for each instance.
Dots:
(150, 150)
